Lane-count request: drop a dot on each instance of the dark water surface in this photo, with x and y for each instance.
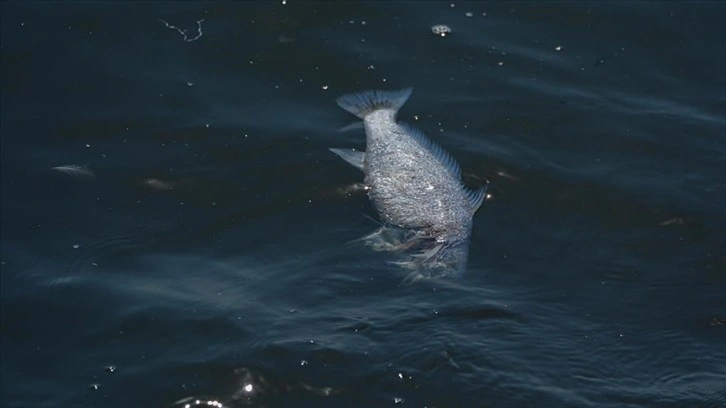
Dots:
(210, 257)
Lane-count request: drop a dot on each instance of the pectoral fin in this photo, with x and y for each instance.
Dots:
(476, 197)
(352, 156)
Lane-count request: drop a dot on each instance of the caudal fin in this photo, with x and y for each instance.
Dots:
(362, 103)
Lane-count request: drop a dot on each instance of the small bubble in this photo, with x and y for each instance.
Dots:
(94, 386)
(558, 48)
(500, 63)
(76, 246)
(397, 400)
(207, 125)
(110, 368)
(469, 14)
(88, 145)
(190, 83)
(248, 388)
(371, 67)
(452, 5)
(284, 2)
(303, 362)
(325, 87)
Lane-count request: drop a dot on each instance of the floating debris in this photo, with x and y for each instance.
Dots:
(284, 39)
(158, 184)
(441, 30)
(77, 171)
(183, 32)
(675, 221)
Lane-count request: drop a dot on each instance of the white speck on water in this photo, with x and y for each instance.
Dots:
(207, 125)
(88, 145)
(558, 48)
(469, 14)
(371, 67)
(303, 362)
(441, 30)
(248, 388)
(398, 400)
(384, 79)
(415, 117)
(452, 5)
(284, 2)
(190, 83)
(76, 246)
(500, 63)
(325, 87)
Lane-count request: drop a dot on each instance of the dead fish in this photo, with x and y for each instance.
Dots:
(415, 186)
(75, 170)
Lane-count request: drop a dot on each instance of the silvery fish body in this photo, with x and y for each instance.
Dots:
(414, 185)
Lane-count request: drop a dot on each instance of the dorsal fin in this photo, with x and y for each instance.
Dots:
(435, 149)
(476, 197)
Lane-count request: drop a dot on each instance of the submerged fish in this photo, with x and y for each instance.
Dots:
(414, 185)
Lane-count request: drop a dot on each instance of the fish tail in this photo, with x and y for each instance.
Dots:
(363, 103)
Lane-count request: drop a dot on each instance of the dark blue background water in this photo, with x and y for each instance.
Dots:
(210, 255)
